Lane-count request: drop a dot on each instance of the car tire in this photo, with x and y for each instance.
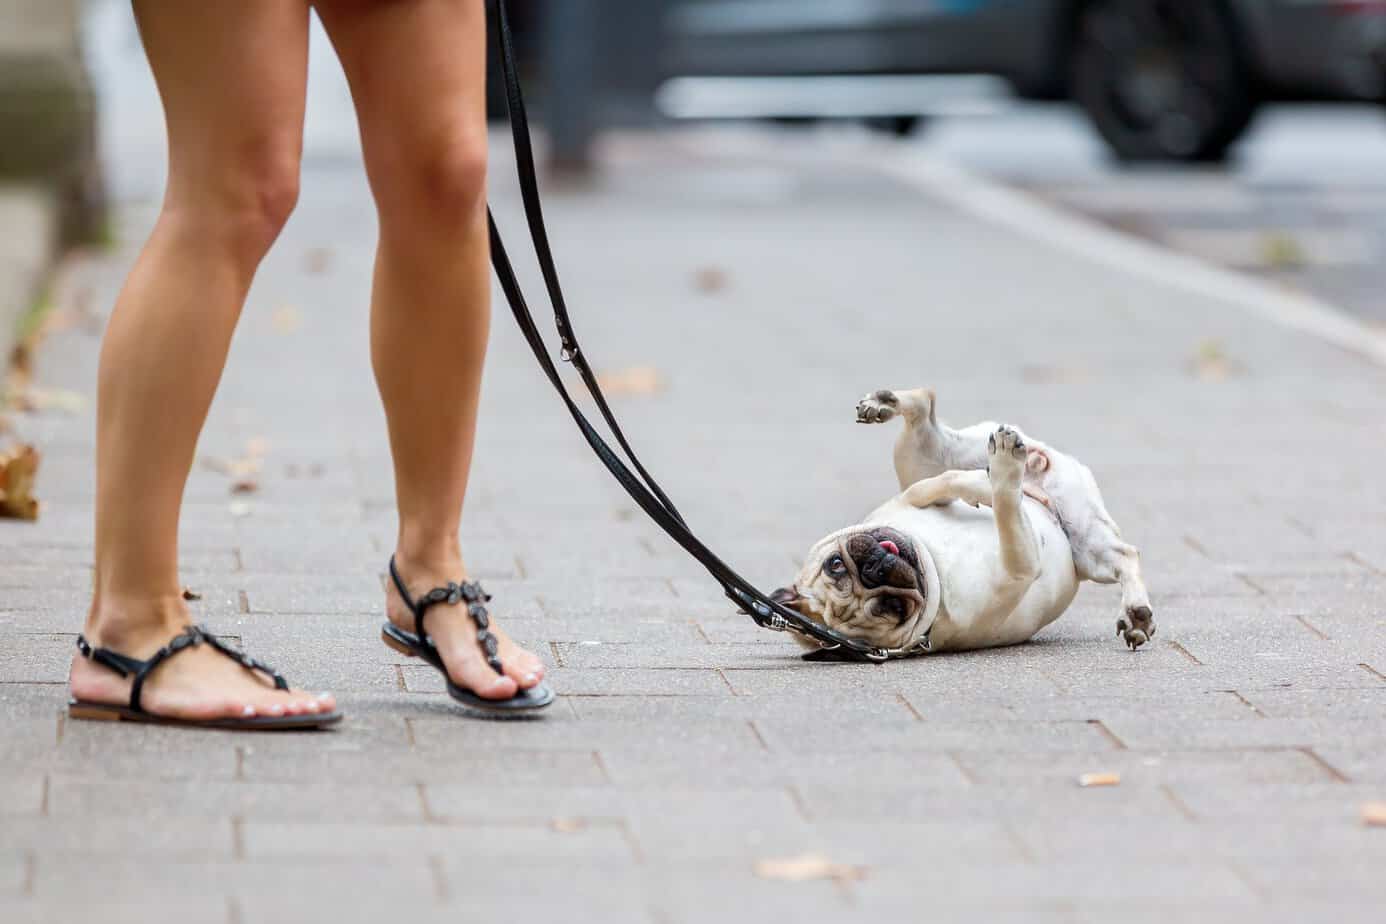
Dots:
(898, 126)
(1162, 79)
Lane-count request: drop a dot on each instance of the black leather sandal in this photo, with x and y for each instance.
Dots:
(417, 644)
(190, 637)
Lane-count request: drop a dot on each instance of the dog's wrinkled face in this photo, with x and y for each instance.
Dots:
(865, 582)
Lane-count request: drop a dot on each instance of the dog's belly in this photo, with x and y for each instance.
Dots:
(963, 543)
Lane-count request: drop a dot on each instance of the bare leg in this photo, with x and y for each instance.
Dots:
(417, 73)
(231, 77)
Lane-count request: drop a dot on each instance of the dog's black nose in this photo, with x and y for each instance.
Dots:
(876, 568)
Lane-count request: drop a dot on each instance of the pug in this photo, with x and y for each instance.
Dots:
(985, 544)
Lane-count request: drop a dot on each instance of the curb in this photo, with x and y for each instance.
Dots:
(1024, 214)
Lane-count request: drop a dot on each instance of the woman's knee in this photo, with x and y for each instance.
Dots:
(241, 202)
(438, 184)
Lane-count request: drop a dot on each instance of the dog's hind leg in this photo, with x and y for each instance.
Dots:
(1099, 553)
(926, 446)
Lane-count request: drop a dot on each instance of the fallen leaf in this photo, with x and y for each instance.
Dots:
(1281, 251)
(1099, 779)
(635, 380)
(1210, 363)
(18, 468)
(317, 259)
(1374, 814)
(239, 508)
(807, 867)
(568, 825)
(244, 471)
(709, 279)
(190, 594)
(286, 319)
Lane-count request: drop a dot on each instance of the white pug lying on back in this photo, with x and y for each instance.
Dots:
(923, 572)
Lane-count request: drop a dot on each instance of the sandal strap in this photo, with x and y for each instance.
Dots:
(190, 637)
(453, 593)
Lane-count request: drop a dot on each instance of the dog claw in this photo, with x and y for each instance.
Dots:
(1138, 629)
(877, 407)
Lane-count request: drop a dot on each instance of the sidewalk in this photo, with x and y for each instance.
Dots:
(1244, 461)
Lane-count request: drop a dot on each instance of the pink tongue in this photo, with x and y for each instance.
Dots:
(890, 547)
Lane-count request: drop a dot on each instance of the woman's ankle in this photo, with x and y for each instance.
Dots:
(428, 555)
(127, 621)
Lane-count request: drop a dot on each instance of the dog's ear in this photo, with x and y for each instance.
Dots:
(791, 598)
(933, 405)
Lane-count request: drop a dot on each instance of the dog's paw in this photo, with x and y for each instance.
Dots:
(878, 407)
(1137, 626)
(1005, 456)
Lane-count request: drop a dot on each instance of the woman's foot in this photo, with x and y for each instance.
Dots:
(198, 684)
(454, 633)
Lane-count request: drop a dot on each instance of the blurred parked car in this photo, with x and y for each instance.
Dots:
(1161, 79)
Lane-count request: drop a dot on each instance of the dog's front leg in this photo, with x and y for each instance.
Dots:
(1020, 561)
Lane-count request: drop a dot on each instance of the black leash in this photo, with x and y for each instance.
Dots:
(642, 488)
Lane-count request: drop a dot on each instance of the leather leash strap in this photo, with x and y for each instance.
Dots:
(642, 487)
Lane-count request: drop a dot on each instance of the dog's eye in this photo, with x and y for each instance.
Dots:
(835, 566)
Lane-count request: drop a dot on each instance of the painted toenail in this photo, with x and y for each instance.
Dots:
(276, 709)
(531, 678)
(311, 706)
(248, 712)
(324, 696)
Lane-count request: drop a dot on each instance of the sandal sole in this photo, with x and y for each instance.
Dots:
(104, 712)
(525, 704)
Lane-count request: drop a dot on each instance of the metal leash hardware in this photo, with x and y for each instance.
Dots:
(641, 487)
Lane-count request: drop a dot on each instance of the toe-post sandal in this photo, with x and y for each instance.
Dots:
(191, 637)
(417, 644)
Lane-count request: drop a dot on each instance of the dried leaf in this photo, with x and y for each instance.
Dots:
(18, 468)
(190, 594)
(635, 380)
(1212, 364)
(568, 825)
(245, 485)
(244, 470)
(1374, 814)
(807, 867)
(709, 279)
(1099, 779)
(1282, 251)
(286, 319)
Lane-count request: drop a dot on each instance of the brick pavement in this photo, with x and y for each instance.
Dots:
(687, 744)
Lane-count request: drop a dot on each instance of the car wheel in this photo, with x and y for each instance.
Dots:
(900, 126)
(1162, 79)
